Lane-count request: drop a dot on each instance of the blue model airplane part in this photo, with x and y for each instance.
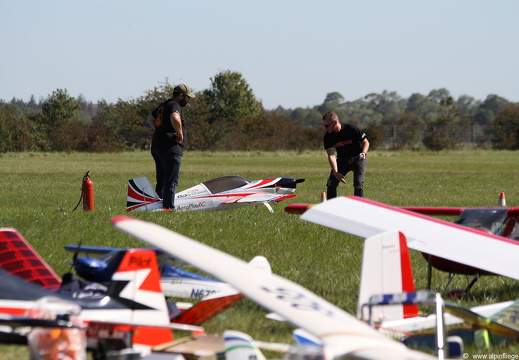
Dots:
(172, 272)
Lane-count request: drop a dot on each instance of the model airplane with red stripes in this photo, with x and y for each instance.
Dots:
(132, 302)
(222, 193)
(446, 245)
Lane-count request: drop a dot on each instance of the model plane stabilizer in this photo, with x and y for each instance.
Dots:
(19, 258)
(366, 218)
(342, 334)
(386, 268)
(222, 193)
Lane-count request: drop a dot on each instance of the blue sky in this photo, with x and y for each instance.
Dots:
(291, 52)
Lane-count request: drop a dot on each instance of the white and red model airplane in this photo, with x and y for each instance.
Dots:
(455, 248)
(342, 335)
(133, 303)
(222, 193)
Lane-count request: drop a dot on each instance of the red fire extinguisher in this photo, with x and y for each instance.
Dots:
(87, 192)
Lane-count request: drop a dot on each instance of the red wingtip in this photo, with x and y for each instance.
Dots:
(120, 218)
(297, 208)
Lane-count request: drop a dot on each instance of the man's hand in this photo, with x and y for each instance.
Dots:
(362, 156)
(179, 137)
(340, 177)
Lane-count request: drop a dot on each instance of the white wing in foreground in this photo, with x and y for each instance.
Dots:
(342, 334)
(365, 218)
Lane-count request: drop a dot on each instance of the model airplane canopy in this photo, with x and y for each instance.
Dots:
(342, 334)
(365, 218)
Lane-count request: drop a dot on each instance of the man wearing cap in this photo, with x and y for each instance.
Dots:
(169, 141)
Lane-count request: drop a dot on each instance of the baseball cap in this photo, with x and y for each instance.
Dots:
(184, 89)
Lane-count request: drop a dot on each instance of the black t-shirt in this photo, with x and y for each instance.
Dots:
(347, 142)
(164, 138)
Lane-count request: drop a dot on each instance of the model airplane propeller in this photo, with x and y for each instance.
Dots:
(222, 193)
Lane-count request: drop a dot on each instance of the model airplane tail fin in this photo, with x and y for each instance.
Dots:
(240, 346)
(142, 196)
(19, 258)
(386, 268)
(136, 283)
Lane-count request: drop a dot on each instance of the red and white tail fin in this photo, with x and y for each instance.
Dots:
(19, 258)
(136, 283)
(142, 196)
(386, 269)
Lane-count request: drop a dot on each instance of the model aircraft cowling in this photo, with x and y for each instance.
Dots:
(222, 193)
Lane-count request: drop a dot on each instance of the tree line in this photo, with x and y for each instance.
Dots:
(228, 116)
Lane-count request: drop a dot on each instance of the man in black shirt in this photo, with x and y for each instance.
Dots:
(169, 141)
(346, 147)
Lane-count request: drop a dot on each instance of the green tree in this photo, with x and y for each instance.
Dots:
(15, 129)
(506, 128)
(489, 108)
(443, 131)
(231, 98)
(389, 105)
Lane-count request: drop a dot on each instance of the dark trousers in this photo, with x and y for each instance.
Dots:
(344, 166)
(167, 167)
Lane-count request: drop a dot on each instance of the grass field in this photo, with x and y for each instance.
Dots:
(38, 192)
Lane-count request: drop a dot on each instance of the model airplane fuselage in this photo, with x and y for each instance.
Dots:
(174, 281)
(222, 193)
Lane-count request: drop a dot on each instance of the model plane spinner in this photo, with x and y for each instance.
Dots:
(222, 193)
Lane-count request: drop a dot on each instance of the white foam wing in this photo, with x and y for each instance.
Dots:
(365, 218)
(341, 332)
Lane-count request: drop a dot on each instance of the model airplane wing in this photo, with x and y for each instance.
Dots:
(19, 258)
(341, 332)
(365, 218)
(480, 321)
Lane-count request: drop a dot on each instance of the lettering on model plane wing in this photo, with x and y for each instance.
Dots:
(298, 300)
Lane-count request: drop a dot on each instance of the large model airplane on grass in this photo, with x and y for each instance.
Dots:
(342, 335)
(453, 247)
(222, 193)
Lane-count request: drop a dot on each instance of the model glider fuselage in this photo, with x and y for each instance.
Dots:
(222, 193)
